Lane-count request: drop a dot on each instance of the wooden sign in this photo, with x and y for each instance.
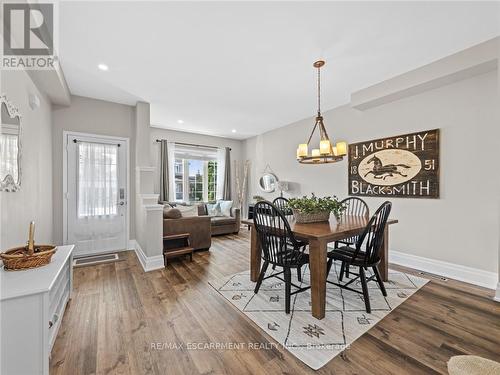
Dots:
(406, 166)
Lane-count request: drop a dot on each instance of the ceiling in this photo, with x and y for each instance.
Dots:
(242, 66)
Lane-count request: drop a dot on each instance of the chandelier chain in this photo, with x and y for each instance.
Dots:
(319, 92)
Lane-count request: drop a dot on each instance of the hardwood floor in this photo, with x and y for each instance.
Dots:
(118, 313)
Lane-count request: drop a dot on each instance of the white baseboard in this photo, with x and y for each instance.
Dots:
(147, 263)
(453, 271)
(497, 294)
(131, 244)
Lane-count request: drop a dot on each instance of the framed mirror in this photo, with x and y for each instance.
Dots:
(10, 146)
(268, 182)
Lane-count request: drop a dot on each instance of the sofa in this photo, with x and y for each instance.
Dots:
(203, 226)
(222, 224)
(197, 226)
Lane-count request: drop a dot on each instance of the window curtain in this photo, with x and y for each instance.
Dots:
(171, 171)
(97, 179)
(164, 171)
(166, 161)
(224, 173)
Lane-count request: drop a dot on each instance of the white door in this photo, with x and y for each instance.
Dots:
(96, 196)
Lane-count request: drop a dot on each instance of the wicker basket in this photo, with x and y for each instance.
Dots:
(18, 258)
(313, 217)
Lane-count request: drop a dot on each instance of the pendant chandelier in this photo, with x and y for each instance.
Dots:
(327, 152)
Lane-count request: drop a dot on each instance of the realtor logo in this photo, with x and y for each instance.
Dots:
(28, 31)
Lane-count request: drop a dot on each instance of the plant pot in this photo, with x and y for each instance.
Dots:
(311, 217)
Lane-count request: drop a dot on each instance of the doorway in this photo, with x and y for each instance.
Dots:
(96, 181)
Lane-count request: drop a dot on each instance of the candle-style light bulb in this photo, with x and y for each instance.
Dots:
(341, 148)
(302, 150)
(324, 147)
(31, 239)
(315, 154)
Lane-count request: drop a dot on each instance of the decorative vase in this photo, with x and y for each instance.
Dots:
(310, 217)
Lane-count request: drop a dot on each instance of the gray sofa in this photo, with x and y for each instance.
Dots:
(223, 224)
(218, 224)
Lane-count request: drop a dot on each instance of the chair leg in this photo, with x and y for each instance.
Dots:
(346, 270)
(364, 285)
(288, 289)
(379, 281)
(299, 274)
(342, 269)
(261, 277)
(329, 266)
(274, 266)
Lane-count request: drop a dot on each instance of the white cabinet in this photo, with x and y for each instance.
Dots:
(32, 305)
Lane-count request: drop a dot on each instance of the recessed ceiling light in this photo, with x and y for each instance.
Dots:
(233, 131)
(180, 121)
(103, 67)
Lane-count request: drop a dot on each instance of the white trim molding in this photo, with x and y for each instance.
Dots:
(147, 263)
(466, 274)
(497, 294)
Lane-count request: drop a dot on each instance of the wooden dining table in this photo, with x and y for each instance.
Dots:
(318, 235)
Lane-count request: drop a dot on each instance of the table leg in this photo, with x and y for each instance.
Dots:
(255, 255)
(317, 264)
(384, 256)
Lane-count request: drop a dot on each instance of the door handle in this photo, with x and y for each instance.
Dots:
(121, 203)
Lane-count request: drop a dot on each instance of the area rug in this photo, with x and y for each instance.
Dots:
(315, 342)
(472, 365)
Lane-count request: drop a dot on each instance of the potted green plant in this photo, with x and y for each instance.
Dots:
(313, 209)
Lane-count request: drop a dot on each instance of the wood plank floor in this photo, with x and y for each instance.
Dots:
(118, 312)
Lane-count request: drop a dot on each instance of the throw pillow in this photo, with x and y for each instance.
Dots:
(188, 211)
(213, 209)
(172, 213)
(225, 208)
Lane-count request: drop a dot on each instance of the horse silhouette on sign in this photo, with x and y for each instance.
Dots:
(381, 171)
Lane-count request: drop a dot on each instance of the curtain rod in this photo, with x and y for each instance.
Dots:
(99, 143)
(191, 144)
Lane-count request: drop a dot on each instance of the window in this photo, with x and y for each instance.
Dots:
(195, 175)
(212, 181)
(179, 179)
(195, 180)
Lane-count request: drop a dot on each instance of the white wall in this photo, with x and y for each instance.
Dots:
(34, 200)
(462, 226)
(201, 139)
(92, 116)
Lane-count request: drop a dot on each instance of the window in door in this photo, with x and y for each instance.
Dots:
(97, 179)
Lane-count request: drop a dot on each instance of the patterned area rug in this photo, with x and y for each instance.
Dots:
(315, 342)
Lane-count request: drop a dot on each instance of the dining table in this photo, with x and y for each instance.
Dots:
(318, 236)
